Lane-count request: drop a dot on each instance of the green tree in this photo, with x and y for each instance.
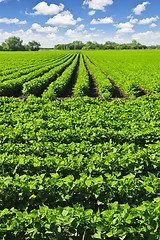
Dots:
(13, 44)
(33, 46)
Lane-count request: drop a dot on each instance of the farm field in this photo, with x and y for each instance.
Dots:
(133, 71)
(102, 74)
(86, 164)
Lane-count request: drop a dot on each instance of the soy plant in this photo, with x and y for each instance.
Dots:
(57, 87)
(106, 89)
(81, 87)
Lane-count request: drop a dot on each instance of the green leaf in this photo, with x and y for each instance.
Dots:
(32, 196)
(109, 234)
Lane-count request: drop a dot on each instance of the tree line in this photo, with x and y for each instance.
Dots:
(15, 44)
(79, 45)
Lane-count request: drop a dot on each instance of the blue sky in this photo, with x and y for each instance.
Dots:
(62, 21)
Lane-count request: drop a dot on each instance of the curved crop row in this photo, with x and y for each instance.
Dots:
(30, 68)
(81, 87)
(57, 87)
(37, 85)
(130, 69)
(105, 87)
(11, 87)
(11, 62)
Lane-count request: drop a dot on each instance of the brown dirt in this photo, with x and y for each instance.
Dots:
(143, 91)
(94, 91)
(68, 92)
(118, 91)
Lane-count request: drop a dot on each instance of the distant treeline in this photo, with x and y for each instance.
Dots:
(15, 44)
(78, 45)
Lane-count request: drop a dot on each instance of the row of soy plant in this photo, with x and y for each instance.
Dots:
(15, 85)
(130, 69)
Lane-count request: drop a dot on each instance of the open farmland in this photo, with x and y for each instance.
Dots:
(103, 74)
(81, 168)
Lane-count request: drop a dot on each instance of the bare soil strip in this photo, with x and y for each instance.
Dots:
(143, 91)
(118, 91)
(68, 92)
(94, 91)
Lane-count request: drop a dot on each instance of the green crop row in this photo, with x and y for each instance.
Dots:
(36, 86)
(81, 87)
(30, 68)
(11, 87)
(106, 89)
(77, 223)
(58, 86)
(11, 62)
(130, 69)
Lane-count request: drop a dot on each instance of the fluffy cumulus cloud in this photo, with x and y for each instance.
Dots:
(98, 4)
(63, 19)
(84, 36)
(140, 8)
(133, 20)
(148, 37)
(124, 28)
(105, 20)
(153, 25)
(91, 13)
(12, 20)
(49, 29)
(80, 27)
(47, 41)
(43, 8)
(148, 20)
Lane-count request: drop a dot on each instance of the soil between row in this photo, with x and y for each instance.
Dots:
(94, 90)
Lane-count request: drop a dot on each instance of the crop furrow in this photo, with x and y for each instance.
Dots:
(93, 86)
(57, 87)
(118, 91)
(143, 91)
(36, 86)
(15, 86)
(69, 90)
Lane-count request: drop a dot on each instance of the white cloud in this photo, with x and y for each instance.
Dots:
(124, 28)
(92, 29)
(145, 36)
(124, 25)
(43, 8)
(12, 20)
(63, 19)
(98, 4)
(47, 40)
(91, 13)
(140, 8)
(153, 25)
(52, 35)
(79, 19)
(48, 29)
(148, 20)
(133, 20)
(130, 16)
(1, 1)
(105, 20)
(83, 36)
(80, 27)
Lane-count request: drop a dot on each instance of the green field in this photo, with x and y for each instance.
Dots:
(49, 73)
(80, 145)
